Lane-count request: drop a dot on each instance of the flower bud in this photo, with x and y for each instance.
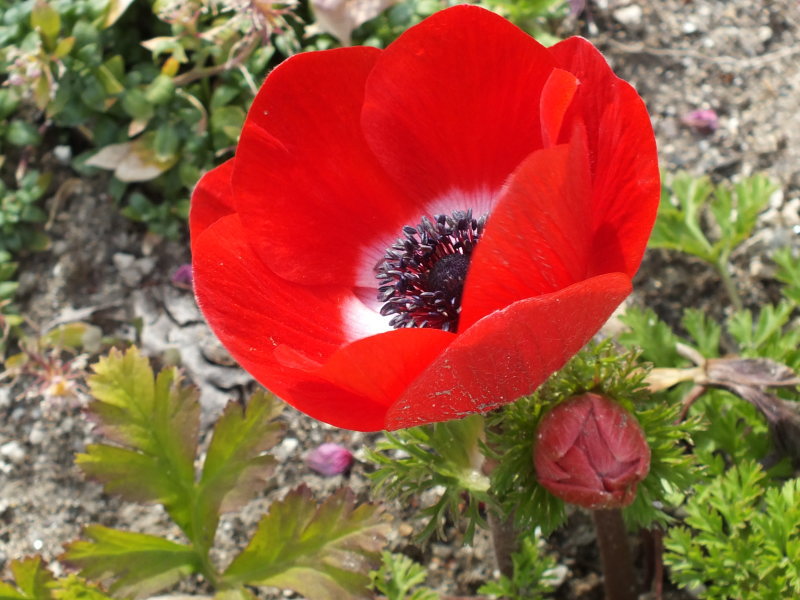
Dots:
(591, 452)
(329, 459)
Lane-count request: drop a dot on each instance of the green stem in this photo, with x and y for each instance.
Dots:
(722, 266)
(615, 553)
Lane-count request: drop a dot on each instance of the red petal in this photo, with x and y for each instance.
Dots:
(359, 383)
(556, 97)
(306, 183)
(261, 319)
(509, 353)
(537, 239)
(212, 198)
(626, 187)
(453, 104)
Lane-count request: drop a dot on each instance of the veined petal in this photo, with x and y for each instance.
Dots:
(537, 240)
(212, 198)
(626, 185)
(453, 103)
(306, 184)
(261, 318)
(356, 387)
(509, 353)
(559, 89)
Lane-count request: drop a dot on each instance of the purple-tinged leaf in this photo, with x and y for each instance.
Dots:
(235, 468)
(135, 564)
(322, 552)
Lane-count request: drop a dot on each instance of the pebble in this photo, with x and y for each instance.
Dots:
(37, 434)
(629, 15)
(13, 451)
(285, 449)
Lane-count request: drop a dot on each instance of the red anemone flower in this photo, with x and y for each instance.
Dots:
(428, 231)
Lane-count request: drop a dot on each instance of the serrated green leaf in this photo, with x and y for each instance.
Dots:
(137, 564)
(32, 580)
(135, 476)
(9, 592)
(73, 587)
(323, 553)
(156, 420)
(678, 225)
(235, 467)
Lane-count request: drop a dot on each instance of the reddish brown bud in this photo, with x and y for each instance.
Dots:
(591, 452)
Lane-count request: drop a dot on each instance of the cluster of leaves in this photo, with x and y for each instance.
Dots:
(136, 82)
(35, 582)
(444, 456)
(400, 578)
(602, 370)
(738, 513)
(531, 578)
(20, 212)
(741, 537)
(710, 221)
(152, 426)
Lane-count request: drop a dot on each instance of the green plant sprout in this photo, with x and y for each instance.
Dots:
(151, 424)
(35, 582)
(533, 574)
(710, 221)
(741, 537)
(400, 578)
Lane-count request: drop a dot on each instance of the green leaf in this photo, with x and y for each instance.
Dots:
(32, 580)
(73, 587)
(398, 576)
(235, 467)
(47, 20)
(156, 421)
(788, 273)
(136, 563)
(323, 553)
(22, 133)
(652, 335)
(116, 8)
(678, 225)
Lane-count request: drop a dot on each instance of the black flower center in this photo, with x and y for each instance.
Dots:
(421, 277)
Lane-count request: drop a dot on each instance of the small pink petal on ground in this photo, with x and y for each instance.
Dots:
(329, 459)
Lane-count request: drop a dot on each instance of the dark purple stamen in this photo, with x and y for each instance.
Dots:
(421, 277)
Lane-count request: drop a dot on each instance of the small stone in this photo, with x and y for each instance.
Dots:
(286, 448)
(37, 435)
(63, 154)
(123, 261)
(13, 451)
(629, 15)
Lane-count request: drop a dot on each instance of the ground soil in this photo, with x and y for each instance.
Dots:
(738, 57)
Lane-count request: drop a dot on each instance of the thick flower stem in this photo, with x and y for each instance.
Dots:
(505, 539)
(620, 579)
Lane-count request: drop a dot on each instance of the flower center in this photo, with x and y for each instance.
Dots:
(421, 277)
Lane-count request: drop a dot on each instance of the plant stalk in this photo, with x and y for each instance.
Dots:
(505, 540)
(728, 283)
(615, 553)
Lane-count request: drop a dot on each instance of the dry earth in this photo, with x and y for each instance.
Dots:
(739, 58)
